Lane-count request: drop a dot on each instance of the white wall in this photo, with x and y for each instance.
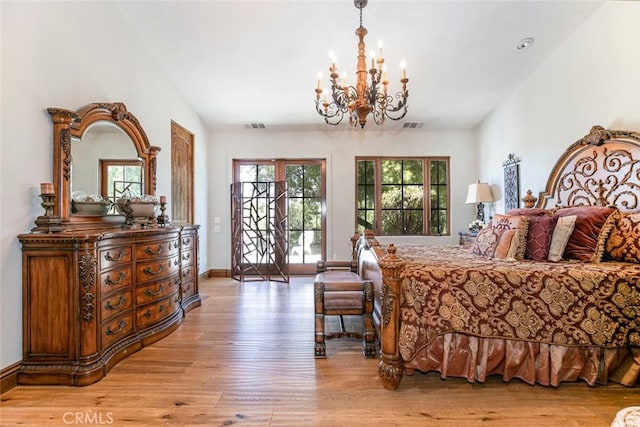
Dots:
(67, 55)
(592, 78)
(339, 146)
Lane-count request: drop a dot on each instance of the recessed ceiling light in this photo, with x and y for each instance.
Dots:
(524, 43)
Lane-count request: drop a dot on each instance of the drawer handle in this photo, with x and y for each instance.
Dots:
(186, 271)
(175, 245)
(175, 262)
(149, 293)
(121, 302)
(147, 314)
(121, 326)
(186, 242)
(161, 308)
(110, 282)
(149, 272)
(186, 256)
(118, 257)
(150, 251)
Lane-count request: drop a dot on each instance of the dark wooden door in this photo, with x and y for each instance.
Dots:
(181, 174)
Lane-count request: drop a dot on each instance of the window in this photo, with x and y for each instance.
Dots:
(121, 177)
(403, 196)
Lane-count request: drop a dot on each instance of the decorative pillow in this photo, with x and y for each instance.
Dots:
(593, 225)
(496, 243)
(561, 233)
(539, 234)
(623, 243)
(513, 222)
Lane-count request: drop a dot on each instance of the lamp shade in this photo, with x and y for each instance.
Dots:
(479, 192)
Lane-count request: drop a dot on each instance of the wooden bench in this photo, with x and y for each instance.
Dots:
(340, 291)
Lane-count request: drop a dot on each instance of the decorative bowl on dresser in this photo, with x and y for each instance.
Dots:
(96, 290)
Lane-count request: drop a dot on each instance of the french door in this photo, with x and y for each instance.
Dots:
(306, 201)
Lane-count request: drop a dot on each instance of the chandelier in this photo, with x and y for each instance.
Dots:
(369, 95)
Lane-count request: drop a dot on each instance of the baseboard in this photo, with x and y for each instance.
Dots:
(9, 377)
(216, 273)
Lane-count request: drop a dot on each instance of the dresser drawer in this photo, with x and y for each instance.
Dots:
(116, 304)
(116, 329)
(188, 289)
(157, 290)
(155, 312)
(187, 258)
(113, 280)
(187, 242)
(114, 256)
(188, 273)
(154, 250)
(156, 270)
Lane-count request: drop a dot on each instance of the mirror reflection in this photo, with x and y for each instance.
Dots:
(105, 163)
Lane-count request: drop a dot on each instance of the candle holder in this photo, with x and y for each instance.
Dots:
(163, 219)
(48, 223)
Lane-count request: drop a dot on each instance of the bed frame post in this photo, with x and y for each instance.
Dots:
(390, 366)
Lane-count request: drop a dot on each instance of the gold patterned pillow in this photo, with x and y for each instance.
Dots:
(623, 243)
(496, 243)
(513, 222)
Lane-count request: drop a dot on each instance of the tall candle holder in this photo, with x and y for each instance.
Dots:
(163, 219)
(48, 223)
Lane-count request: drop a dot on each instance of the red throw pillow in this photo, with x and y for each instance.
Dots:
(593, 225)
(539, 237)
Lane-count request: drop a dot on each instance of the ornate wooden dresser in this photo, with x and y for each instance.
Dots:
(91, 299)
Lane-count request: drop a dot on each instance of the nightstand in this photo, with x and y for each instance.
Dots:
(467, 238)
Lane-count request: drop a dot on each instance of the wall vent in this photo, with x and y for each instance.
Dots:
(412, 125)
(255, 126)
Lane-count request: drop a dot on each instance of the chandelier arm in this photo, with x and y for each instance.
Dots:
(401, 106)
(330, 112)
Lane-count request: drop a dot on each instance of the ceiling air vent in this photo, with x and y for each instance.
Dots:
(412, 125)
(255, 126)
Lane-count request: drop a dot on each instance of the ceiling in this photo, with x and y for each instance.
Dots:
(240, 62)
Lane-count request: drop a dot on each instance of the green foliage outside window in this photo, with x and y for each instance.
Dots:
(402, 196)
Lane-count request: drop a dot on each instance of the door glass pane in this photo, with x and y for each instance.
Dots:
(305, 212)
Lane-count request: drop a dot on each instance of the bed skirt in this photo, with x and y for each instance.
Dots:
(474, 358)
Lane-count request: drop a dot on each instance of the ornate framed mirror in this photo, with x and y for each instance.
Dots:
(87, 139)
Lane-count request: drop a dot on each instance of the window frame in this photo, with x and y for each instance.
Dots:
(426, 183)
(105, 164)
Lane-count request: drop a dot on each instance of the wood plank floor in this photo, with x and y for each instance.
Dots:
(246, 358)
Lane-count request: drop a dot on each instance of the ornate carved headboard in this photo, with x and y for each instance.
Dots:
(601, 169)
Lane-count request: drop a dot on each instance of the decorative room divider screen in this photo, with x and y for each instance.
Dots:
(259, 232)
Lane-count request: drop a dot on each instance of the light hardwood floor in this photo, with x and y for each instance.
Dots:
(246, 358)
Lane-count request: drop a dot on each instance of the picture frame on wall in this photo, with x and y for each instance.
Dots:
(511, 182)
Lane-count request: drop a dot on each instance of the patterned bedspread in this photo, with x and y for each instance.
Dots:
(449, 289)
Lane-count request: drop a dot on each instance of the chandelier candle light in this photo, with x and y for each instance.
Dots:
(368, 95)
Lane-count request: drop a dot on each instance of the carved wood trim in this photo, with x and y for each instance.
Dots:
(599, 169)
(87, 271)
(390, 367)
